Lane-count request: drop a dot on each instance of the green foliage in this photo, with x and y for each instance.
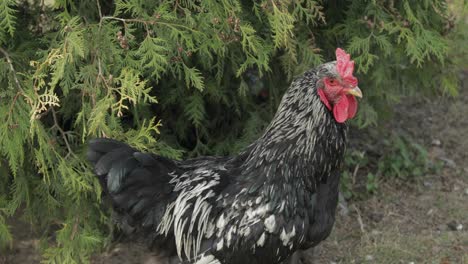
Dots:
(403, 158)
(8, 21)
(5, 235)
(399, 158)
(371, 183)
(350, 182)
(74, 246)
(213, 73)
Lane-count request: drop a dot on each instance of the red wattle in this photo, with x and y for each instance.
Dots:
(341, 110)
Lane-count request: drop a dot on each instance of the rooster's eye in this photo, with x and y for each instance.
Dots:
(332, 81)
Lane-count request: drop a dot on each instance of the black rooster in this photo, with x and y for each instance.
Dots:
(276, 197)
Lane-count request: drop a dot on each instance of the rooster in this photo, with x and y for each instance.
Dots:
(274, 198)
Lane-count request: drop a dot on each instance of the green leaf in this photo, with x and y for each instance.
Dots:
(7, 19)
(193, 77)
(153, 55)
(194, 109)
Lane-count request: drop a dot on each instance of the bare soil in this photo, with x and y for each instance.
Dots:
(420, 221)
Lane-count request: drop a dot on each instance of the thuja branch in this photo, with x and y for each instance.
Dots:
(149, 22)
(16, 80)
(100, 12)
(10, 111)
(12, 68)
(62, 133)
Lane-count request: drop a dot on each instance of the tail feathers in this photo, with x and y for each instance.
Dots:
(104, 145)
(137, 183)
(112, 161)
(119, 171)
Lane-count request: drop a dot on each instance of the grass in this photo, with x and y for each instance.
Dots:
(414, 230)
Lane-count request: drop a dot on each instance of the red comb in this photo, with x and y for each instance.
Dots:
(345, 67)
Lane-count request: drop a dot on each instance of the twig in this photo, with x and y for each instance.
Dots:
(39, 116)
(75, 228)
(359, 218)
(100, 12)
(127, 20)
(146, 22)
(64, 137)
(17, 82)
(356, 169)
(10, 111)
(12, 68)
(100, 75)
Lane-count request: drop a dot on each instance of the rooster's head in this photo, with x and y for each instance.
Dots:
(337, 87)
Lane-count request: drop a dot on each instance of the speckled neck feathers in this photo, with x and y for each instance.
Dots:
(303, 139)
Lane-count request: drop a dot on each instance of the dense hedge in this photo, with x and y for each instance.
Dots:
(181, 78)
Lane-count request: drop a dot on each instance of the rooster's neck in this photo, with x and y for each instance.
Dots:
(300, 146)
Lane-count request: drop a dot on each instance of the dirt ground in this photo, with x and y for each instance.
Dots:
(424, 221)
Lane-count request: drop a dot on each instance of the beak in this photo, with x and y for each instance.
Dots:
(355, 91)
